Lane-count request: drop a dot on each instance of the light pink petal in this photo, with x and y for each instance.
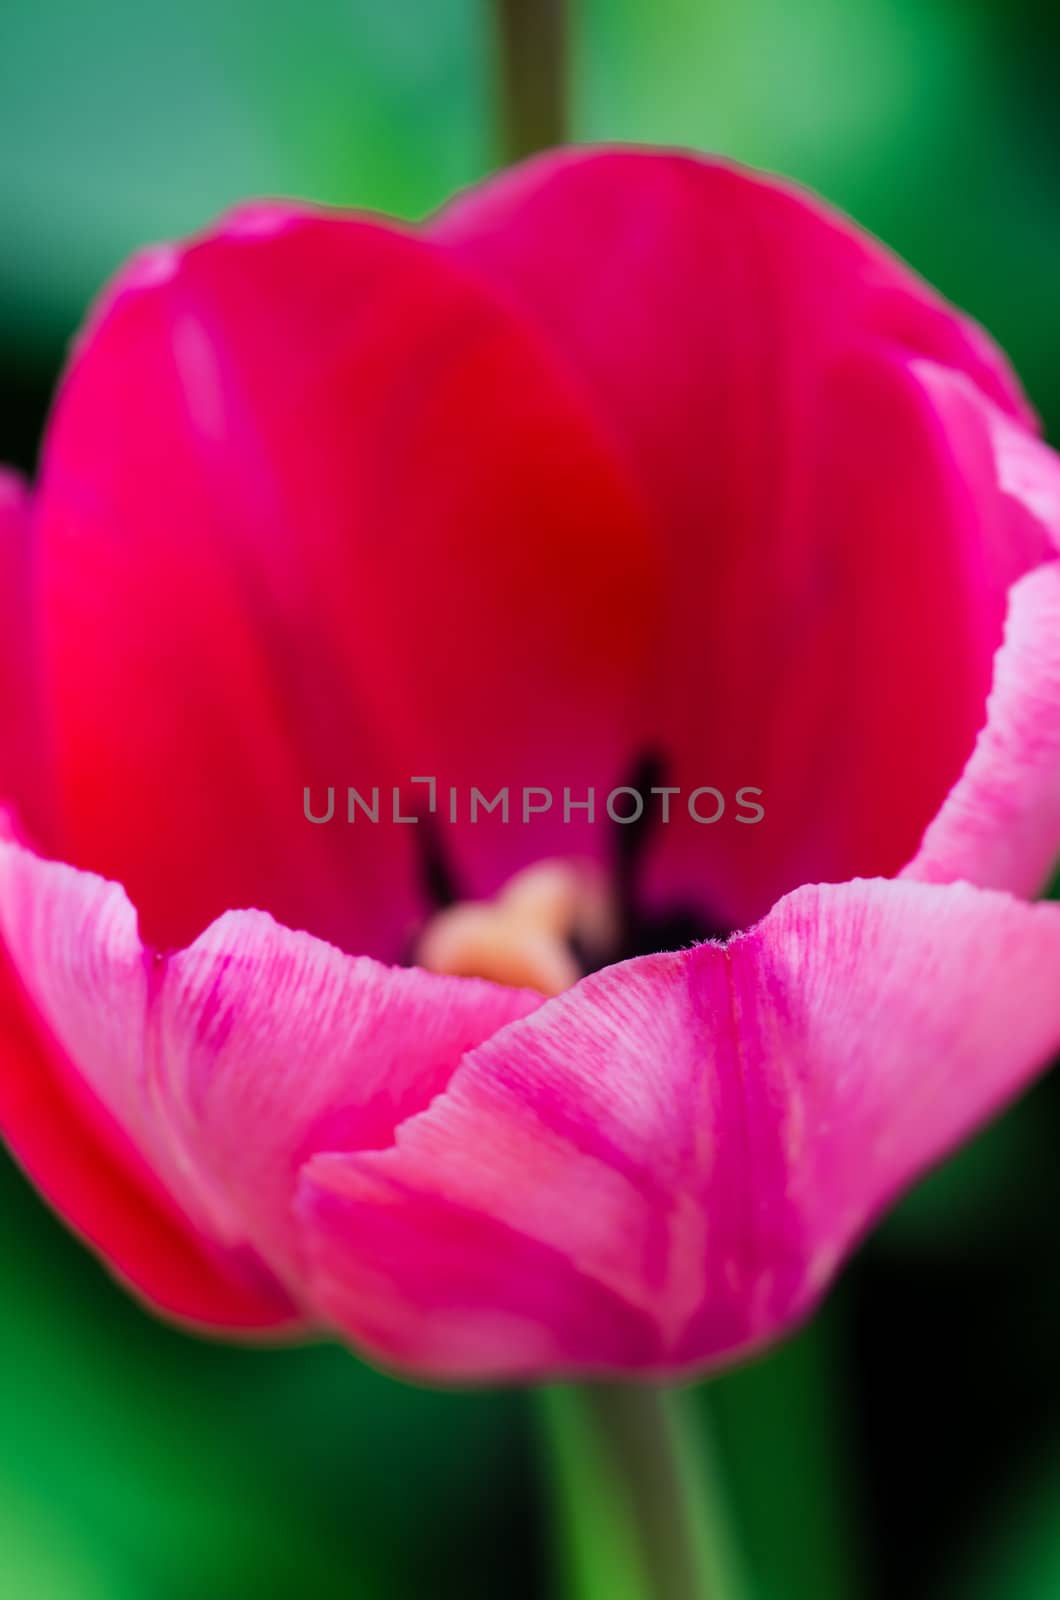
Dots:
(221, 1068)
(86, 1167)
(663, 1167)
(70, 1137)
(1000, 824)
(836, 592)
(1011, 475)
(316, 512)
(276, 1046)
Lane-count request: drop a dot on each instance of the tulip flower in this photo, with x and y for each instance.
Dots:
(394, 609)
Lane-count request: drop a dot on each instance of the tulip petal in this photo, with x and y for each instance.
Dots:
(276, 1046)
(663, 1167)
(218, 1069)
(836, 600)
(316, 512)
(1000, 825)
(577, 235)
(88, 1167)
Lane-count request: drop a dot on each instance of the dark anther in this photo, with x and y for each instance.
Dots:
(439, 884)
(631, 837)
(643, 932)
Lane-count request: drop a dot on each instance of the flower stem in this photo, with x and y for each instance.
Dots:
(532, 48)
(638, 1506)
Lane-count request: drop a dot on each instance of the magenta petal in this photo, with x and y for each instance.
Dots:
(835, 600)
(316, 511)
(663, 1167)
(223, 1067)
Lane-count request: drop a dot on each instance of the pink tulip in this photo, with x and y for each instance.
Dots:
(629, 472)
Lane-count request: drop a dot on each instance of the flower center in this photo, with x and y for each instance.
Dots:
(558, 919)
(550, 923)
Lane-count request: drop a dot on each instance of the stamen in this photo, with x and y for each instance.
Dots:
(527, 936)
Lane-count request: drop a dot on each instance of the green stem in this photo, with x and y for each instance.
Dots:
(638, 1507)
(532, 50)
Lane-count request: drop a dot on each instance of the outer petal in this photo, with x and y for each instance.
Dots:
(663, 1167)
(316, 512)
(94, 1174)
(527, 231)
(1000, 824)
(207, 1076)
(837, 595)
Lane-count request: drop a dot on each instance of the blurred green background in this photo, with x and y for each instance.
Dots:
(908, 1443)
